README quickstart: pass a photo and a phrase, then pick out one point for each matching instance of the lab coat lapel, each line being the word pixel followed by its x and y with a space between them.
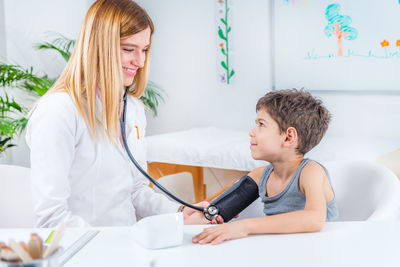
pixel 131 133
pixel 98 117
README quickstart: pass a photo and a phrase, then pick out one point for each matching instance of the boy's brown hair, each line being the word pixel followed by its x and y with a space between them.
pixel 298 109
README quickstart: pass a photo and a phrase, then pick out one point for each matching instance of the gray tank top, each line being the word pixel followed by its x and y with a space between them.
pixel 291 198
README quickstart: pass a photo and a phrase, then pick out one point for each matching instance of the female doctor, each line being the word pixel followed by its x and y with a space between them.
pixel 80 173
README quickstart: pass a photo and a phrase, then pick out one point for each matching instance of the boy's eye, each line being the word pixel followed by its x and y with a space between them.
pixel 260 124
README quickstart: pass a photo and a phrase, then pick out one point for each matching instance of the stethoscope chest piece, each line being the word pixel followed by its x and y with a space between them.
pixel 211 212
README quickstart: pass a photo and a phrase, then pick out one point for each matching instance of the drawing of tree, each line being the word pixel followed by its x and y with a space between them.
pixel 338 25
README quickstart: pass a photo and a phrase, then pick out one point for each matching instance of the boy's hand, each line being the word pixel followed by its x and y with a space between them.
pixel 220 233
pixel 218 220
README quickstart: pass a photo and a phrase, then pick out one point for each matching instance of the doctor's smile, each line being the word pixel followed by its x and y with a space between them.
pixel 129 71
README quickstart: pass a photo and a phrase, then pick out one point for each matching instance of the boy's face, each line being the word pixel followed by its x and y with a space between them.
pixel 265 138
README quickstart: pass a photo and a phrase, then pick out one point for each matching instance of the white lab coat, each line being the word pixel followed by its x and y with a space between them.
pixel 82 182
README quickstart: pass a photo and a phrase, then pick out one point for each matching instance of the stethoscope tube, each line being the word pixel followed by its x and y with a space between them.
pixel 151 179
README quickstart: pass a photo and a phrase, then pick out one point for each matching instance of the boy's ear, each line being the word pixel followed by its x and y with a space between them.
pixel 291 138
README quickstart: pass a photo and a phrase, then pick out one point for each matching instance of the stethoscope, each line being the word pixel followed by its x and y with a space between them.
pixel 211 212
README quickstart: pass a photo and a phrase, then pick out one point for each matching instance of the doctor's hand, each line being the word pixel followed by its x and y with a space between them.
pixel 199 216
pixel 219 233
pixel 189 211
pixel 196 218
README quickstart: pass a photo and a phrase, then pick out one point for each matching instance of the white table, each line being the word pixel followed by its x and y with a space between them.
pixel 339 244
pixel 366 244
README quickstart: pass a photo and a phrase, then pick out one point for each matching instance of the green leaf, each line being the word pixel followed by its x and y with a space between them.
pixel 46 45
pixel 7 105
pixel 229 29
pixel 40 86
pixel 223 21
pixel 7 128
pixel 12 74
pixel 221 34
pixel 61 44
pixel 224 65
pixel 16 76
pixel 223 51
pixel 152 97
pixel 232 73
pixel 15 106
pixel 5 143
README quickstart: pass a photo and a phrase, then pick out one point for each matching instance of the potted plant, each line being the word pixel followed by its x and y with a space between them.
pixel 13 116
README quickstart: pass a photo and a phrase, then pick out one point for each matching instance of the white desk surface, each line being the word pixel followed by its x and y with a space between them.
pixel 339 244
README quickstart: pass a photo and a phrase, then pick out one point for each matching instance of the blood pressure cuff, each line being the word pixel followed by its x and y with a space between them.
pixel 234 200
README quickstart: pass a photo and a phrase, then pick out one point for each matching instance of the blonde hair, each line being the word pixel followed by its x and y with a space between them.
pixel 95 63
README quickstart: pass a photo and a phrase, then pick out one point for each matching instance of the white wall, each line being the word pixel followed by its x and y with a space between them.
pixel 2 32
pixel 369 115
pixel 27 23
pixel 183 63
pixel 30 22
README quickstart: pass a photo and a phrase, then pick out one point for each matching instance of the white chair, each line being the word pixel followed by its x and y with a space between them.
pixel 16 208
pixel 179 184
pixel 363 190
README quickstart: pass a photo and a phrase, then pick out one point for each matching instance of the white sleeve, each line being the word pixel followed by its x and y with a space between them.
pixel 145 200
pixel 51 137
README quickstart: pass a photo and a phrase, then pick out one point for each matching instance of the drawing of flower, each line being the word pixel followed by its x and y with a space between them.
pixel 384 43
pixel 223 79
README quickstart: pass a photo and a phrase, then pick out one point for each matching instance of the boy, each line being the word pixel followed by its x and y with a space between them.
pixel 297 193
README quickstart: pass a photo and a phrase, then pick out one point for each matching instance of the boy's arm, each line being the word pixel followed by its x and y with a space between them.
pixel 256 174
pixel 197 219
pixel 311 219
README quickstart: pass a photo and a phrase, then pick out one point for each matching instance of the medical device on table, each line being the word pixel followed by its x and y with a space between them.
pixel 228 205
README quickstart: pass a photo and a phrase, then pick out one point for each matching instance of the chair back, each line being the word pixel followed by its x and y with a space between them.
pixel 16 207
pixel 179 184
pixel 364 190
